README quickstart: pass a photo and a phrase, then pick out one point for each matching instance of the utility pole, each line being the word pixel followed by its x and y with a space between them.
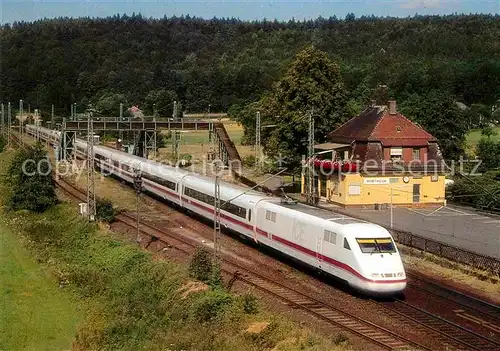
pixel 176 136
pixel 3 119
pixel 120 131
pixel 21 119
pixel 52 118
pixel 392 214
pixel 310 163
pixel 217 227
pixel 9 122
pixel 257 142
pixel 138 191
pixel 91 205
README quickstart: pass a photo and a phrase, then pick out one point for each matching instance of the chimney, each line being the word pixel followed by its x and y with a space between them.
pixel 392 107
pixel 373 103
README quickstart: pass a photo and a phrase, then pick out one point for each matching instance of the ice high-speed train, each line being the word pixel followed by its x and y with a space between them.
pixel 360 253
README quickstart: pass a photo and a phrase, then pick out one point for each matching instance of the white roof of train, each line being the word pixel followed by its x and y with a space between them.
pixel 230 191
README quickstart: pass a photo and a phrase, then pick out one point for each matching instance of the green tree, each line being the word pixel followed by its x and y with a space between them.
pixel 30 179
pixel 488 152
pixel 438 113
pixel 488 132
pixel 312 84
pixel 109 104
pixel 163 101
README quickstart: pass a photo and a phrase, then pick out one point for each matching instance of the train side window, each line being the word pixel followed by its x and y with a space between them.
pixel 271 216
pixel 330 236
pixel 346 244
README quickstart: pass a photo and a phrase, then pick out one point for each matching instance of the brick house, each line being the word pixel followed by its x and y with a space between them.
pixel 380 157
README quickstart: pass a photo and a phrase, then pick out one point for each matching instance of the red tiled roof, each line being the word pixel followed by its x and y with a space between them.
pixel 377 124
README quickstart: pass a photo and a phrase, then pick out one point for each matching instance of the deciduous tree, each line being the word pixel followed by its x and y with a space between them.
pixel 30 179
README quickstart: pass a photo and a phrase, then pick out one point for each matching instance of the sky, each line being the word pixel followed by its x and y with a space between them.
pixel 17 10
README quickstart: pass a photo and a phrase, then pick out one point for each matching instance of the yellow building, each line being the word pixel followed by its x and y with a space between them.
pixel 377 158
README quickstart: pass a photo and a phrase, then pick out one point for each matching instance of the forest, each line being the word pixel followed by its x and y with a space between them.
pixel 426 63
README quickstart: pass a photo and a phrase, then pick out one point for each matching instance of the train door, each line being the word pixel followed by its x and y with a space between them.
pixel 319 251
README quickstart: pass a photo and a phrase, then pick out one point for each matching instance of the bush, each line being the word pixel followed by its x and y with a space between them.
pixel 249 160
pixel 249 304
pixel 481 192
pixel 3 143
pixel 211 305
pixel 105 211
pixel 488 152
pixel 340 339
pixel 200 267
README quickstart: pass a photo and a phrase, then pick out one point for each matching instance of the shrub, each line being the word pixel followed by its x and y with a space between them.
pixel 340 339
pixel 200 267
pixel 3 143
pixel 215 275
pixel 211 305
pixel 249 304
pixel 249 160
pixel 488 152
pixel 105 211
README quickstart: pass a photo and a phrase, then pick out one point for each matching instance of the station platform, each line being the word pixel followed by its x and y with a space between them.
pixel 459 226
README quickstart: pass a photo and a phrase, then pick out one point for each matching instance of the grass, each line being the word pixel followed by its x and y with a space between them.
pixel 481 282
pixel 35 313
pixel 474 136
pixel 132 301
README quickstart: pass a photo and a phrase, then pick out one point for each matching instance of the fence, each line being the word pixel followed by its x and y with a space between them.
pixel 450 252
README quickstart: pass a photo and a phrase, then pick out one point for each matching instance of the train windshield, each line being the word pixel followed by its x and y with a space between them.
pixel 382 245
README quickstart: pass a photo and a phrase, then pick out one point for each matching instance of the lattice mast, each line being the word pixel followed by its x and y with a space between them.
pixel 3 119
pixel 21 113
pixel 217 205
pixel 9 122
pixel 310 164
pixel 91 205
pixel 176 135
pixel 257 142
pixel 138 190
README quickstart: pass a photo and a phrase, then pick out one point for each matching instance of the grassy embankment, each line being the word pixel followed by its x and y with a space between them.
pixel 474 136
pixel 131 301
pixel 35 313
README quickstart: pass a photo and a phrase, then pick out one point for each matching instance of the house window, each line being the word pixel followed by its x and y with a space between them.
pixel 355 189
pixel 330 236
pixel 416 154
pixel 396 154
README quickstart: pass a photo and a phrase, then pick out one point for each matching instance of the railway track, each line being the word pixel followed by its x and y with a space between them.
pixel 380 336
pixel 467 301
pixel 445 332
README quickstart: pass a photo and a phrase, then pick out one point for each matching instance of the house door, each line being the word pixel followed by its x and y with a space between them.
pixel 416 192
pixel 322 186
